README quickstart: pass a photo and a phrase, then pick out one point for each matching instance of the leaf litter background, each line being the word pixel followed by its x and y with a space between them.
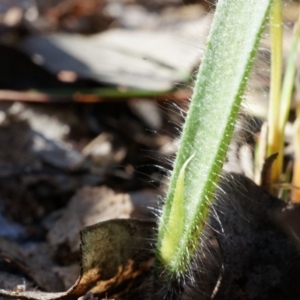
pixel 91 98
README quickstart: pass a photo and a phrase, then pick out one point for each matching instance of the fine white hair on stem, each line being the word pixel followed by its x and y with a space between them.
pixel 221 196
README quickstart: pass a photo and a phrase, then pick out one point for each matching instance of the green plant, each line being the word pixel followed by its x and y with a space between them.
pixel 281 97
pixel 208 128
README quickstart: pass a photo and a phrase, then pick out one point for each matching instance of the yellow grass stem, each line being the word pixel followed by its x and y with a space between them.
pixel 275 88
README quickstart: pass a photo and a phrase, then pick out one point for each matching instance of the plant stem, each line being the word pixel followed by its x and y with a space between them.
pixel 289 79
pixel 208 128
pixel 286 99
pixel 274 135
pixel 295 194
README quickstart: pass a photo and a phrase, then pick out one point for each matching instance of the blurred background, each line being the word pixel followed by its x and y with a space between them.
pixel 92 97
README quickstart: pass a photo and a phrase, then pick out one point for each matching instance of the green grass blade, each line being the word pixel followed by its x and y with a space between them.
pixel 207 131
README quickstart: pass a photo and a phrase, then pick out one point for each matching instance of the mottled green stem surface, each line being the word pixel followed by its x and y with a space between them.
pixel 208 128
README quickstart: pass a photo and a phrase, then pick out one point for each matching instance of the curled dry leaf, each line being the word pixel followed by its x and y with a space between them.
pixel 14 282
pixel 37 270
pixel 113 254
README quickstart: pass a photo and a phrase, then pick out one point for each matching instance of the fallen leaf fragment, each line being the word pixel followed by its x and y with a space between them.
pixel 14 282
pixel 36 269
pixel 113 254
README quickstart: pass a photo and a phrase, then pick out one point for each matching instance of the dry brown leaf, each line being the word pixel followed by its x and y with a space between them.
pixel 14 282
pixel 35 269
pixel 113 254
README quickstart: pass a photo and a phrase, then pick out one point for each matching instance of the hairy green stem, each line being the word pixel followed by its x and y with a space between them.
pixel 208 128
